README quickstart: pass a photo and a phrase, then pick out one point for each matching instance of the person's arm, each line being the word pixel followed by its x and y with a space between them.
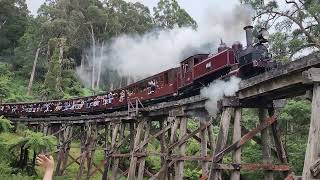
pixel 48 164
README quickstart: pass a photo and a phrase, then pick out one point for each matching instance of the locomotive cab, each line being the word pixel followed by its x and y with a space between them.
pixel 255 59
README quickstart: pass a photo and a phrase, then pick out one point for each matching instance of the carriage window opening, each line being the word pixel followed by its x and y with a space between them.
pixel 196 61
pixel 166 78
pixel 186 67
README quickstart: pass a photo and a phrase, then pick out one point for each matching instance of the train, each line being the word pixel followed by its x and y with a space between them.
pixel 187 79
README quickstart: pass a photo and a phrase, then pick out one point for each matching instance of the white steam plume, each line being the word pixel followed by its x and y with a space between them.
pixel 216 91
pixel 143 55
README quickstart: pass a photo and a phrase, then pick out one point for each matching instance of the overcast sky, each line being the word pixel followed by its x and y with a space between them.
pixel 194 7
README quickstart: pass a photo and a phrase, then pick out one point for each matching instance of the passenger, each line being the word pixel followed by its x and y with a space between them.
pixel 13 109
pixel 110 98
pixel 122 96
pixel 58 107
pixel 45 107
pixel 105 100
pixel 96 102
pixel 152 86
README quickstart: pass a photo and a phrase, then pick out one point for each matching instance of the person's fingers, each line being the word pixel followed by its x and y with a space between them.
pixel 51 158
pixel 41 156
pixel 46 158
pixel 39 162
pixel 39 159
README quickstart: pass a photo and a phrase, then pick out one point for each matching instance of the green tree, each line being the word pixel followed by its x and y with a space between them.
pixel 168 13
pixel 52 83
pixel 13 21
pixel 36 142
pixel 5 77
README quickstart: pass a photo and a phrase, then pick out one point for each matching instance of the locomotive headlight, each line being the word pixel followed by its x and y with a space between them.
pixel 263 36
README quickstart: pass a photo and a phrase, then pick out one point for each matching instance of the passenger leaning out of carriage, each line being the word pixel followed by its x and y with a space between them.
pixel 122 95
pixel 152 86
pixel 110 98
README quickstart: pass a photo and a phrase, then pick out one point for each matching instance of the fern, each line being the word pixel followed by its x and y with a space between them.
pixel 5 125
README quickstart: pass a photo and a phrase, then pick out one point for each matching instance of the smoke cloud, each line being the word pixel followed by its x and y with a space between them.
pixel 140 56
pixel 216 91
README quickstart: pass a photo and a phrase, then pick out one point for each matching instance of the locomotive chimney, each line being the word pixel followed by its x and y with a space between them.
pixel 249 35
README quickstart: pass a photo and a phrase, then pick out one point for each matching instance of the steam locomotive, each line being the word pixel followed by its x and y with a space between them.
pixel 183 81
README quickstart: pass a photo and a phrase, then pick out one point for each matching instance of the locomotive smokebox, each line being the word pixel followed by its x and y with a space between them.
pixel 249 35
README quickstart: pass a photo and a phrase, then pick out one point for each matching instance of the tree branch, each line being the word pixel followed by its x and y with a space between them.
pixel 296 21
pixel 2 24
pixel 301 48
pixel 299 9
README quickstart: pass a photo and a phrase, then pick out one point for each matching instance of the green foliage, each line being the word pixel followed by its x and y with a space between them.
pixel 297 113
pixel 52 83
pixel 5 125
pixel 168 13
pixel 35 141
pixel 39 142
pixel 13 20
pixel 192 174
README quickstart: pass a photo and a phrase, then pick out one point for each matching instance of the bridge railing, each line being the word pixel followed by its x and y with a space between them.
pixel 133 106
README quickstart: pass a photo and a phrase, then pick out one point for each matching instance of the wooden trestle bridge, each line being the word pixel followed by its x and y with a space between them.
pixel 167 123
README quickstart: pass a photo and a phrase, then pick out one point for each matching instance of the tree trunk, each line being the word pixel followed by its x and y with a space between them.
pixel 82 64
pixel 58 80
pixel 93 58
pixel 21 157
pixel 34 162
pixel 100 64
pixel 25 158
pixel 33 69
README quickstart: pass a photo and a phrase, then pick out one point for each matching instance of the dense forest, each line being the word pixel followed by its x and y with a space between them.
pixel 41 57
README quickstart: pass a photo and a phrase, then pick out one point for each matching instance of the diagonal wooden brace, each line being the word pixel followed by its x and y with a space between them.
pixel 245 138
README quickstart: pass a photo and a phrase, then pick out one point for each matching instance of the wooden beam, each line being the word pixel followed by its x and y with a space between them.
pixel 173 137
pixel 244 138
pixel 84 141
pixel 91 150
pixel 74 160
pixel 114 136
pixel 313 147
pixel 312 75
pixel 152 137
pixel 163 146
pixel 251 167
pixel 280 150
pixel 180 164
pixel 106 152
pixel 197 138
pixel 163 168
pixel 98 168
pixel 133 161
pixel 211 137
pixel 222 140
pixel 204 149
pixel 266 144
pixel 185 137
pixel 141 169
pixel 315 168
pixel 236 137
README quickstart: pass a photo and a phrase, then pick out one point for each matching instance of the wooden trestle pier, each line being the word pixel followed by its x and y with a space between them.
pixel 167 123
